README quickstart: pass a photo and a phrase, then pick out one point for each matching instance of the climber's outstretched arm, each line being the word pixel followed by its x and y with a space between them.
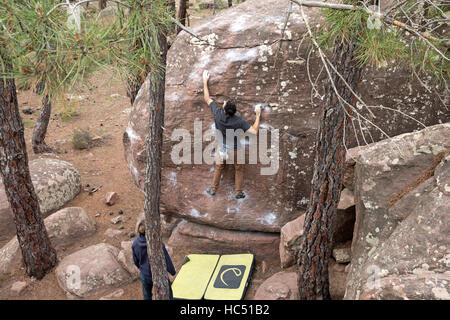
pixel 206 96
pixel 255 127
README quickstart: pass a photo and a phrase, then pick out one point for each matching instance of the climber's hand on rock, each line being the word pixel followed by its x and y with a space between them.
pixel 205 76
pixel 258 110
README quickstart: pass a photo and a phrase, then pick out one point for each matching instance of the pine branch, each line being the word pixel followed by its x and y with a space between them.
pixel 423 35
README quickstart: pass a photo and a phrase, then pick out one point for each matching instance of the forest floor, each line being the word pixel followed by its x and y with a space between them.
pixel 102 108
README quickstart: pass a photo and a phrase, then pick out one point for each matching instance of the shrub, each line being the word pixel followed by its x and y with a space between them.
pixel 81 139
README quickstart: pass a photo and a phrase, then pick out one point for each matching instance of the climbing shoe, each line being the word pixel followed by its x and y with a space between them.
pixel 240 196
pixel 210 192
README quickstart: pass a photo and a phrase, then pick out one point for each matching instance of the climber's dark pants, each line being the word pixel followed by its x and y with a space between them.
pixel 238 175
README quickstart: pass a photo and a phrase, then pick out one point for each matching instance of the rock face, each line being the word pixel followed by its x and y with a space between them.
pixel 242 54
pixel 69 225
pixel 64 227
pixel 400 248
pixel 125 257
pixel 291 232
pixel 91 271
pixel 205 239
pixel 56 182
pixel 290 240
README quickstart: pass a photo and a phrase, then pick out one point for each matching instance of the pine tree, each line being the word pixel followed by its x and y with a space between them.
pixel 39 257
pixel 356 41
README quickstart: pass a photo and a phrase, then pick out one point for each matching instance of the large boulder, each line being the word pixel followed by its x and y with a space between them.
pixel 250 64
pixel 64 227
pixel 92 270
pixel 56 182
pixel 199 238
pixel 125 257
pixel 400 247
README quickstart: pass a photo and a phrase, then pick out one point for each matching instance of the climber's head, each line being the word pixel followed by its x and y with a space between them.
pixel 229 107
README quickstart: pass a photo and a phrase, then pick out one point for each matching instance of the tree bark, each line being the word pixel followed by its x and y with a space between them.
pixel 102 4
pixel 40 128
pixel 230 3
pixel 182 12
pixel 326 186
pixel 39 257
pixel 153 178
pixel 134 84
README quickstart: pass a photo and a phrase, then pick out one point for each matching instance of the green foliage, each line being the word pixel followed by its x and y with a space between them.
pixel 81 139
pixel 383 45
pixel 135 52
pixel 67 110
pixel 45 49
pixel 340 24
pixel 42 48
pixel 376 46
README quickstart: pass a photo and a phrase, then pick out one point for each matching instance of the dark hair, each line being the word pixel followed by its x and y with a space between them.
pixel 230 108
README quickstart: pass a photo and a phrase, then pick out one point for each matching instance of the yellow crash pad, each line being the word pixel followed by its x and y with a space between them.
pixel 230 278
pixel 193 277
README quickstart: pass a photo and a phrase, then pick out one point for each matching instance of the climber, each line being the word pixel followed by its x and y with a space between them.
pixel 225 118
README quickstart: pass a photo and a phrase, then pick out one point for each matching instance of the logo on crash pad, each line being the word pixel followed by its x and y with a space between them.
pixel 230 277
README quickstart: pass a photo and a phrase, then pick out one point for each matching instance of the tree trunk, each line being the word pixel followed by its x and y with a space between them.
pixel 230 3
pixel 102 4
pixel 134 84
pixel 182 12
pixel 39 257
pixel 153 178
pixel 40 128
pixel 326 186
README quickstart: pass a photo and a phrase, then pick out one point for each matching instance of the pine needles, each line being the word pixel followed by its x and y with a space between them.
pixel 48 45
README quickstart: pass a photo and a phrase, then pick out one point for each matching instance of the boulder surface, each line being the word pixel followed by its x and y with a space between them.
pixel 64 227
pixel 56 182
pixel 252 61
pixel 93 270
pixel 400 247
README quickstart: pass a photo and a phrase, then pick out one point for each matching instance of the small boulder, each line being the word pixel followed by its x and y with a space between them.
pixel 280 286
pixel 18 288
pixel 111 198
pixel 342 255
pixel 68 225
pixel 116 220
pixel 113 233
pixel 65 227
pixel 92 270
